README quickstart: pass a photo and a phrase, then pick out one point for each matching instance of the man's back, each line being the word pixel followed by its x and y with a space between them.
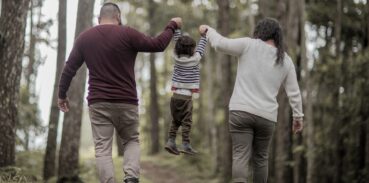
pixel 109 52
pixel 110 59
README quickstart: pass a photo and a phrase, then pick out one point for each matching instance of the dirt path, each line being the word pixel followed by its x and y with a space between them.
pixel 160 174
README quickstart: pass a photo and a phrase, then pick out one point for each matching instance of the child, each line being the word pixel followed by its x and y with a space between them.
pixel 185 82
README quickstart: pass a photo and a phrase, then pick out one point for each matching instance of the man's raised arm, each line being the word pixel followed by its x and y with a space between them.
pixel 143 43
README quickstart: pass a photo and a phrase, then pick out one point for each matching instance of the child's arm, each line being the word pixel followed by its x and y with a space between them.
pixel 201 46
pixel 177 35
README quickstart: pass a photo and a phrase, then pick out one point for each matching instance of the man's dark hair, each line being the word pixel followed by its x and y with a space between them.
pixel 185 46
pixel 269 29
pixel 109 11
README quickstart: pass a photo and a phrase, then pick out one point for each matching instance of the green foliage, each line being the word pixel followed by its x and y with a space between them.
pixel 341 87
pixel 15 174
pixel 30 124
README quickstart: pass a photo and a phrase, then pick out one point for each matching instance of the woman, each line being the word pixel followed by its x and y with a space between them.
pixel 263 67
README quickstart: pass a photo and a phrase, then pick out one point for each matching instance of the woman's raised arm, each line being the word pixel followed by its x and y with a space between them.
pixel 233 47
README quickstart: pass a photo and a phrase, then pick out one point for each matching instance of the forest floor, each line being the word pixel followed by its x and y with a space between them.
pixel 159 174
pixel 162 168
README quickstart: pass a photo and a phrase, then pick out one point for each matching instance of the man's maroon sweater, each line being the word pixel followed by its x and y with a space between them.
pixel 109 52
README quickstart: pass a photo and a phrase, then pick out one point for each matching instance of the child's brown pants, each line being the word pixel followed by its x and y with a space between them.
pixel 181 110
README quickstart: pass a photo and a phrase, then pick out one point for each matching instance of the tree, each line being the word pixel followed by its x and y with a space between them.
pixel 154 105
pixel 29 121
pixel 50 154
pixel 12 31
pixel 226 64
pixel 69 147
pixel 290 14
pixel 367 120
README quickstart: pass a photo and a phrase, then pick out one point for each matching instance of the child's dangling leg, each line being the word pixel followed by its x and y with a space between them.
pixel 186 127
pixel 171 146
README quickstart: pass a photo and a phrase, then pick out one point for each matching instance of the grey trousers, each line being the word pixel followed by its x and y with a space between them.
pixel 251 136
pixel 124 118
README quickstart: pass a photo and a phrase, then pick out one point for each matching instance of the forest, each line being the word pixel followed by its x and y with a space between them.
pixel 328 41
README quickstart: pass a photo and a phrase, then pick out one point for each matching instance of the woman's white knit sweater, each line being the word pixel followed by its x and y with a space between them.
pixel 259 78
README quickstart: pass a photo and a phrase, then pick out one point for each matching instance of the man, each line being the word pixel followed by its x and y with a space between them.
pixel 109 51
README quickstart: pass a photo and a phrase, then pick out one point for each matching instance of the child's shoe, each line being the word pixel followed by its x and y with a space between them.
pixel 187 149
pixel 171 146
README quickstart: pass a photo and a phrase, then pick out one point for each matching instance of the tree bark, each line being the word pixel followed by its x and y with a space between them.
pixel 338 26
pixel 266 9
pixel 367 24
pixel 12 31
pixel 210 119
pixel 225 61
pixel 31 53
pixel 367 120
pixel 309 131
pixel 337 137
pixel 69 147
pixel 250 19
pixel 364 108
pixel 154 104
pixel 283 134
pixel 300 174
pixel 50 154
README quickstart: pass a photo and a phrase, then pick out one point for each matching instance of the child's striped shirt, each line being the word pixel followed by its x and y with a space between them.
pixel 186 74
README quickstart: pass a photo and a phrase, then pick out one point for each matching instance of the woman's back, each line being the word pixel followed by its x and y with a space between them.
pixel 259 77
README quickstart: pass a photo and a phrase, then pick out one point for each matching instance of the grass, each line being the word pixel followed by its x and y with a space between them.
pixel 29 165
pixel 196 169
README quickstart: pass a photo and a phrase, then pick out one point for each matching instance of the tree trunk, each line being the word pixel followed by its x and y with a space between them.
pixel 28 73
pixel 367 24
pixel 69 147
pixel 283 134
pixel 50 154
pixel 154 104
pixel 210 119
pixel 12 31
pixel 167 119
pixel 223 26
pixel 337 137
pixel 201 127
pixel 299 156
pixel 366 121
pixel 250 19
pixel 338 26
pixel 308 107
pixel 266 9
pixel 367 148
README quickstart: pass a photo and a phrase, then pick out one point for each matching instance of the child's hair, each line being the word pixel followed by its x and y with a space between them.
pixel 185 46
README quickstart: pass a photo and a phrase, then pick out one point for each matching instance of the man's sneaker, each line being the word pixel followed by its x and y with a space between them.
pixel 131 180
pixel 187 149
pixel 171 146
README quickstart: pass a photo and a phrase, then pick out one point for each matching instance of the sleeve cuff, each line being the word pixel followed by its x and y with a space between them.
pixel 172 25
pixel 209 32
pixel 298 119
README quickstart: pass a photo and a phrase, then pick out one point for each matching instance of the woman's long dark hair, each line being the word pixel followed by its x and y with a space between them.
pixel 269 29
